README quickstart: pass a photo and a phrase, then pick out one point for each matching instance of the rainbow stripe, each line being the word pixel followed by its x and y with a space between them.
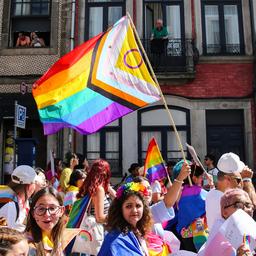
pixel 85 235
pixel 98 82
pixel 154 168
pixel 246 240
pixel 7 194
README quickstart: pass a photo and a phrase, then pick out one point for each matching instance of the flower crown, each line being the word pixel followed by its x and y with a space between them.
pixel 132 186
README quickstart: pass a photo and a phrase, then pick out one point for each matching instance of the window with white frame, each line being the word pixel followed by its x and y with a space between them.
pixel 154 122
pixel 29 16
pixel 101 14
pixel 106 144
pixel 222 27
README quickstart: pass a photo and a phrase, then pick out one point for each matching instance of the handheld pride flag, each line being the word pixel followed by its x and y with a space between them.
pixel 98 82
pixel 154 168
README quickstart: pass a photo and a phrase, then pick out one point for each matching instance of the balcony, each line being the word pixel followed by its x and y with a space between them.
pixel 172 58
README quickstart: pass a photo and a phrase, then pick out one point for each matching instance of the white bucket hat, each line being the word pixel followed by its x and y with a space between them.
pixel 24 174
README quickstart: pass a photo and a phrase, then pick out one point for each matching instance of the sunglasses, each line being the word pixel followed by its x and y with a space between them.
pixel 237 179
pixel 240 205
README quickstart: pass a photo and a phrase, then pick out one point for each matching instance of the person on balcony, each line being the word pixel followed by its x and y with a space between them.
pixel 159 32
pixel 159 40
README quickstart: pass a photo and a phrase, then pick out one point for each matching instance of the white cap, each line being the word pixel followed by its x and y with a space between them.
pixel 230 163
pixel 24 174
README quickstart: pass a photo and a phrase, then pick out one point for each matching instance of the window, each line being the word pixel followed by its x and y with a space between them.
pixel 169 53
pixel 153 122
pixel 101 15
pixel 222 27
pixel 106 144
pixel 30 16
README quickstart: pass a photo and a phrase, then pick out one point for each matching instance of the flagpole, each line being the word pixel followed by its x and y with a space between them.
pixel 161 93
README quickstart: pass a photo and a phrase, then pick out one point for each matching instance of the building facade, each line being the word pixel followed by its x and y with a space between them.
pixel 206 72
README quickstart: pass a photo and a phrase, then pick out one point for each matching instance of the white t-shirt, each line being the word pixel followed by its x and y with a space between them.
pixel 9 212
pixel 214 173
pixel 161 213
pixel 212 207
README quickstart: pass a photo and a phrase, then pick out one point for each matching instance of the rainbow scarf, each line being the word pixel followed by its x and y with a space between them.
pixel 154 168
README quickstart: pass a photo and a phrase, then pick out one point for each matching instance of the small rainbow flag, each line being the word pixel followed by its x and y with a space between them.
pixel 154 168
pixel 246 240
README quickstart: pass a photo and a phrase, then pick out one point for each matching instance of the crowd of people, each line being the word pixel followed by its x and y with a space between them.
pixel 73 209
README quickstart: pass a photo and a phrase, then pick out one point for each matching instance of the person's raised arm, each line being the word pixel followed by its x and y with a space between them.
pixel 246 175
pixel 173 192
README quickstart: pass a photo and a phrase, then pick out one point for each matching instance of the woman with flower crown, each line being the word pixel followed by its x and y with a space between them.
pixel 129 220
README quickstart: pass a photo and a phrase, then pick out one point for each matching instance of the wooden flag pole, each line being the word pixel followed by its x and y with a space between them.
pixel 161 93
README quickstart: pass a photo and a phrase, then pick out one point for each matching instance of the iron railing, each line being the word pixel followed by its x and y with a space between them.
pixel 226 49
pixel 170 55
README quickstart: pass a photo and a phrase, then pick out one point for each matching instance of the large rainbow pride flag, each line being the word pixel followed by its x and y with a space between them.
pixel 154 168
pixel 99 81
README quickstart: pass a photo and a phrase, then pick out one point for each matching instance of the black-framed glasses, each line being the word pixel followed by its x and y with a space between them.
pixel 52 209
pixel 240 205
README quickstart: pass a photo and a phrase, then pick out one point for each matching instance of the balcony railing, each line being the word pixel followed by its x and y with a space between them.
pixel 226 49
pixel 170 55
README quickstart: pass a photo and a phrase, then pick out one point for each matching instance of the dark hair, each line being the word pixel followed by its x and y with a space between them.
pixel 8 238
pixel 68 158
pixel 196 171
pixel 170 163
pixel 80 161
pixel 115 219
pixel 35 230
pixel 211 157
pixel 133 167
pixel 98 174
pixel 139 179
pixel 75 176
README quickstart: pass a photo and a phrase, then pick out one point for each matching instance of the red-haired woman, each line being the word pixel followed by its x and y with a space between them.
pixel 97 185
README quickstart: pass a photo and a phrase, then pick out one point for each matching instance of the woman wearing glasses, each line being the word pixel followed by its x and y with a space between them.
pixel 46 223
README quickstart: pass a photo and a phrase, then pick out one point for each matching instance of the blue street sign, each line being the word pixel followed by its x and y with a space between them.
pixel 20 116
